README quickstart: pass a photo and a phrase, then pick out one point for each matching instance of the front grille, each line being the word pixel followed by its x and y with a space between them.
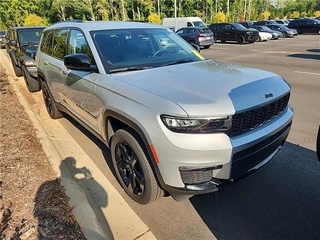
pixel 246 159
pixel 245 121
pixel 196 176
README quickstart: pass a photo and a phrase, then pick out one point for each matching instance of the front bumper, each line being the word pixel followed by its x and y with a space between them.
pixel 200 163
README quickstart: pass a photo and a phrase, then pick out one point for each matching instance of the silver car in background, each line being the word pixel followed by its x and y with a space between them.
pixel 176 123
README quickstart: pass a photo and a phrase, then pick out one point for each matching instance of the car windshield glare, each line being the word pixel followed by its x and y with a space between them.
pixel 125 48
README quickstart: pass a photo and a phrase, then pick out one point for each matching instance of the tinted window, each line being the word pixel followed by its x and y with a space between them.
pixel 205 30
pixel 29 35
pixel 59 43
pixel 78 44
pixel 239 26
pixel 46 43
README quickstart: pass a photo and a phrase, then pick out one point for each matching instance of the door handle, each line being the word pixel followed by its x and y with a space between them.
pixel 45 62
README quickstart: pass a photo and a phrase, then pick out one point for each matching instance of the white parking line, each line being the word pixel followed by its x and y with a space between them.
pixel 310 73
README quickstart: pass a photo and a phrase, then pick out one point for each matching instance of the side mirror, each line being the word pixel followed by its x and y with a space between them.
pixel 196 47
pixel 79 62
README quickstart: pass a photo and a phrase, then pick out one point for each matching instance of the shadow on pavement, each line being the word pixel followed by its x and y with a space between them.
pixel 86 190
pixel 306 56
pixel 316 50
pixel 279 201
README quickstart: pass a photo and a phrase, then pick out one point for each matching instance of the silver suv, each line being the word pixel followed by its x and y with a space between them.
pixel 176 123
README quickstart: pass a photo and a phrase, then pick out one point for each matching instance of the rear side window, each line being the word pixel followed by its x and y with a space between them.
pixel 59 43
pixel 205 30
pixel 46 43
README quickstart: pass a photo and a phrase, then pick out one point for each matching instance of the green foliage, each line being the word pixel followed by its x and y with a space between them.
pixel 154 18
pixel 16 12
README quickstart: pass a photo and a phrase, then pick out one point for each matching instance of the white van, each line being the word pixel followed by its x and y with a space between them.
pixel 183 22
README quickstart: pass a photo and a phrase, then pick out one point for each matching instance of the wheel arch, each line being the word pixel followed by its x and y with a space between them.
pixel 115 121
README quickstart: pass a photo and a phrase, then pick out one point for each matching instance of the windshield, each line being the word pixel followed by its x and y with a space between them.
pixel 283 27
pixel 239 27
pixel 317 21
pixel 199 24
pixel 142 48
pixel 27 36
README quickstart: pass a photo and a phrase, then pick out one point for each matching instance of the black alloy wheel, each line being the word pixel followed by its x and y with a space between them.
pixel 132 167
pixel 129 169
pixel 49 102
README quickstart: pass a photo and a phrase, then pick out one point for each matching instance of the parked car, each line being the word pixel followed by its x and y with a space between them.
pixel 22 44
pixel 283 21
pixel 264 28
pixel 305 25
pixel 264 36
pixel 175 122
pixel 264 22
pixel 286 32
pixel 202 37
pixel 234 32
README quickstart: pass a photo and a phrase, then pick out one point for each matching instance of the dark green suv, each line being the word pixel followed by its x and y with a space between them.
pixel 22 44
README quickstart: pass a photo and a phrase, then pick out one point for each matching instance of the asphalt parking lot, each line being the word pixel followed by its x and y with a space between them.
pixel 282 199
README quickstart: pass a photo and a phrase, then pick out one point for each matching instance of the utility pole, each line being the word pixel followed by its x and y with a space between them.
pixel 123 11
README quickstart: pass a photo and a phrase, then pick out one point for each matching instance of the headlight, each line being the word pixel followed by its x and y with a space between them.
pixel 196 125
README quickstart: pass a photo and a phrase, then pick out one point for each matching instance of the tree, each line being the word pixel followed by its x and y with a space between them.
pixel 154 18
pixel 265 15
pixel 34 20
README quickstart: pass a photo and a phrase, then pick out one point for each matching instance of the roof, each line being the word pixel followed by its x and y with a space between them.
pixel 27 27
pixel 99 25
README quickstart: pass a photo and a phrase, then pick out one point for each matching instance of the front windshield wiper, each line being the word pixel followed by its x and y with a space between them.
pixel 178 62
pixel 128 69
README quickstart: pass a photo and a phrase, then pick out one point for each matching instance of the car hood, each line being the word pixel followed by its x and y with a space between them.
pixel 30 49
pixel 208 88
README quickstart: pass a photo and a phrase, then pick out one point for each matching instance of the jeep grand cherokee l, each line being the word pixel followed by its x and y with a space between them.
pixel 22 44
pixel 175 123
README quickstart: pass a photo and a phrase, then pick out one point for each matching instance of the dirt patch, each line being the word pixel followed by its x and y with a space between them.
pixel 33 204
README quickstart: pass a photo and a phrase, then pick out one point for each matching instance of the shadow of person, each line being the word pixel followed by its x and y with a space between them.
pixel 86 197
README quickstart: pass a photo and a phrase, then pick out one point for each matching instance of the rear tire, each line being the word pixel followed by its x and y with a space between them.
pixel 241 39
pixel 51 107
pixel 133 169
pixel 31 83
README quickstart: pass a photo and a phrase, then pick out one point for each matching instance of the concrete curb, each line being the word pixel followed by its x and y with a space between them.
pixel 99 209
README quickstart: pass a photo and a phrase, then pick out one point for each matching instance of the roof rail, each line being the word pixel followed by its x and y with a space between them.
pixel 75 20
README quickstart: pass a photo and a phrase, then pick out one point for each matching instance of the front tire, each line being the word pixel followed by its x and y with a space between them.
pixel 133 169
pixel 241 39
pixel 49 102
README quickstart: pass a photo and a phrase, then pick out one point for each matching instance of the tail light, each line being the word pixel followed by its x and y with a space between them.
pixel 201 36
